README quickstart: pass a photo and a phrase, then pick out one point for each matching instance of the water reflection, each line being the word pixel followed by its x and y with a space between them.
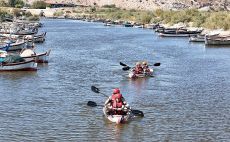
pixel 17 75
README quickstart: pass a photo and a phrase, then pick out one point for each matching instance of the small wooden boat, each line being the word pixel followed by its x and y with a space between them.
pixel 39 38
pixel 127 24
pixel 197 38
pixel 133 75
pixel 118 118
pixel 217 40
pixel 19 45
pixel 29 54
pixel 29 65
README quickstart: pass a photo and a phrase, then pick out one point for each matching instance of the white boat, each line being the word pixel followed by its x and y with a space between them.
pixel 29 54
pixel 175 35
pixel 118 118
pixel 133 75
pixel 29 65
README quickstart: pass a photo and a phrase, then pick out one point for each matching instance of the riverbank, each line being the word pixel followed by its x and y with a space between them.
pixel 209 20
pixel 189 17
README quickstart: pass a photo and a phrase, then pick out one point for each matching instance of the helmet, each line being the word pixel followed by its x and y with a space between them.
pixel 116 91
pixel 144 63
pixel 138 63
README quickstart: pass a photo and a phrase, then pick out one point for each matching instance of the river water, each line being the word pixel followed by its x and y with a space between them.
pixel 187 100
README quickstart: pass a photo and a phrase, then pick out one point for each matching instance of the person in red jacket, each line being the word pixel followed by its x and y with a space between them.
pixel 145 67
pixel 116 103
pixel 138 68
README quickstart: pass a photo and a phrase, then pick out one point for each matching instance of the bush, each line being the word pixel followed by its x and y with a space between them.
pixel 16 3
pixel 39 5
pixel 2 15
pixel 19 4
pixel 59 13
pixel 28 14
pixel 3 3
pixel 16 12
pixel 218 20
pixel 33 18
pixel 109 6
pixel 144 18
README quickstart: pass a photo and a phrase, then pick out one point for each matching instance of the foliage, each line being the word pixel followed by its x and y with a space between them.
pixel 16 12
pixel 15 3
pixel 39 5
pixel 28 14
pixel 109 6
pixel 58 13
pixel 33 18
pixel 218 20
pixel 3 3
pixel 2 14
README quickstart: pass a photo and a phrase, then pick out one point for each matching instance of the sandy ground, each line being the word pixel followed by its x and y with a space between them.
pixel 47 12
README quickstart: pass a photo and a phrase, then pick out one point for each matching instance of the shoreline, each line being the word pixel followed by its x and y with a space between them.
pixel 101 15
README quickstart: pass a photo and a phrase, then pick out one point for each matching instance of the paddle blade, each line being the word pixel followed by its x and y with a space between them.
pixel 157 64
pixel 126 68
pixel 122 64
pixel 137 112
pixel 91 104
pixel 95 89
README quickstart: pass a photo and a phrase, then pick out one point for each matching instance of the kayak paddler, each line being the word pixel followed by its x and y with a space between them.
pixel 116 104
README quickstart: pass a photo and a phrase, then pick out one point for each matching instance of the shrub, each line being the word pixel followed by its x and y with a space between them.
pixel 145 18
pixel 33 18
pixel 28 14
pixel 3 3
pixel 39 5
pixel 109 6
pixel 17 12
pixel 58 13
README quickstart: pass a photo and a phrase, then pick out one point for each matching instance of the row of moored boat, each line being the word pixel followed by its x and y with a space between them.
pixel 18 40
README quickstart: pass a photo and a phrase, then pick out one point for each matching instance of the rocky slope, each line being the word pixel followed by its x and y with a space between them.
pixel 164 4
pixel 153 4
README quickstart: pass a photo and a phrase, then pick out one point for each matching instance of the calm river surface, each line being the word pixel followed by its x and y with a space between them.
pixel 187 100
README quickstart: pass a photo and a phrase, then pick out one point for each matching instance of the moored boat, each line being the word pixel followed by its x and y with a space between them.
pixel 19 45
pixel 197 38
pixel 29 65
pixel 39 38
pixel 217 40
pixel 29 54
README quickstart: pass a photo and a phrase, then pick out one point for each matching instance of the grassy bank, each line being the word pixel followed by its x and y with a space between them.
pixel 191 17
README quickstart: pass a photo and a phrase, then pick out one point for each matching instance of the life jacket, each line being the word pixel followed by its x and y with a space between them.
pixel 138 70
pixel 117 103
pixel 146 69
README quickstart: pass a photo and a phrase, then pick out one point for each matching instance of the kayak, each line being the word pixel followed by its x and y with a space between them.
pixel 133 75
pixel 119 119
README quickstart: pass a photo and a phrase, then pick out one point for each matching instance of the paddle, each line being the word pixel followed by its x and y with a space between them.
pixel 94 104
pixel 122 64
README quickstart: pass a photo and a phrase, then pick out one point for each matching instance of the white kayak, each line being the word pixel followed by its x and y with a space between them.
pixel 118 118
pixel 145 74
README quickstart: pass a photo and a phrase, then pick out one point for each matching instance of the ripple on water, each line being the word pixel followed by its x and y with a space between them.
pixel 187 100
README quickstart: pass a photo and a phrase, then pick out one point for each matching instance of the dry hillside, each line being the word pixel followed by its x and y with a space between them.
pixel 152 4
